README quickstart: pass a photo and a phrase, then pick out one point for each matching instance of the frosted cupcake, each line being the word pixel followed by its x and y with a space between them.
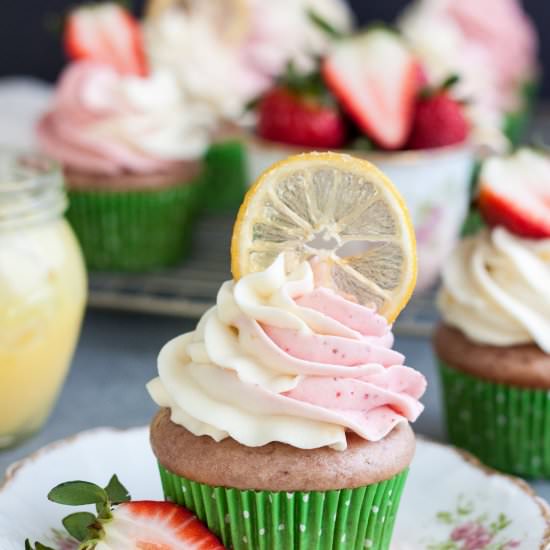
pixel 458 37
pixel 494 341
pixel 285 414
pixel 130 144
pixel 225 53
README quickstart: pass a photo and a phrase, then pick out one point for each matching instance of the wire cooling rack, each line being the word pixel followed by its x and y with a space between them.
pixel 190 289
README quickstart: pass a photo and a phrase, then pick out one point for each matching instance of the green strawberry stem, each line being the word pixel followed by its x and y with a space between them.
pixel 85 526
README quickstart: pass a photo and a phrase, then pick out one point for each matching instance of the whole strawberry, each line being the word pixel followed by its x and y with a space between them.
pixel 439 120
pixel 301 111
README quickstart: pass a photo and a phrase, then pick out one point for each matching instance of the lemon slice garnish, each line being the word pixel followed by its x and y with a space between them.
pixel 340 209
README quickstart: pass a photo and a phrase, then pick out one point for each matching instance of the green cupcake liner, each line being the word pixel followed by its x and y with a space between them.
pixel 134 230
pixel 346 519
pixel 226 176
pixel 506 427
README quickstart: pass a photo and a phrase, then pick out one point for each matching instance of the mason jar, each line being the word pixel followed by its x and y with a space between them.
pixel 42 293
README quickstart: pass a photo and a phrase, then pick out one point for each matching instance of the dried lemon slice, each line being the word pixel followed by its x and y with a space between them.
pixel 340 209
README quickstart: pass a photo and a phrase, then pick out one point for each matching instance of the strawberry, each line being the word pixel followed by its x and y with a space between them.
pixel 376 79
pixel 294 118
pixel 125 525
pixel 106 33
pixel 514 192
pixel 439 120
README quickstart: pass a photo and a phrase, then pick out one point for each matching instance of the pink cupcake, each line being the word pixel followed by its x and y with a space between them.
pixel 130 143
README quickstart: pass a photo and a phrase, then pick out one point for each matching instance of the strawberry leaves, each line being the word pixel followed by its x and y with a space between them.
pixel 85 526
pixel 116 492
pixel 77 493
pixel 37 546
pixel 82 526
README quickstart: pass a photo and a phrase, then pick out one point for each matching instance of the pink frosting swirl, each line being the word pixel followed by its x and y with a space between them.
pixel 280 359
pixel 505 34
pixel 102 122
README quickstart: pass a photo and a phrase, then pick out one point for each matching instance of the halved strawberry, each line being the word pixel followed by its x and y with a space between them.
pixel 375 77
pixel 106 33
pixel 515 192
pixel 124 525
pixel 153 525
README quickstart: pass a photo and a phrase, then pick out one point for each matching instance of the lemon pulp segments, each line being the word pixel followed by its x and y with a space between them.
pixel 340 209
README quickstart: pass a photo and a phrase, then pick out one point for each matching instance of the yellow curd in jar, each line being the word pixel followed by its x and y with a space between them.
pixel 42 296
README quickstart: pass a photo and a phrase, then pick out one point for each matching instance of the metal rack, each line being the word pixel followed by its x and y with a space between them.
pixel 190 289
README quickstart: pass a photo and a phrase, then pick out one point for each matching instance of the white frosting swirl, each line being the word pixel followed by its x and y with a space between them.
pixel 104 122
pixel 226 59
pixel 496 289
pixel 280 360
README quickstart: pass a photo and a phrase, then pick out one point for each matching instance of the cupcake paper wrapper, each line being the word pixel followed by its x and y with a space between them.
pixel 134 230
pixel 227 176
pixel 506 427
pixel 347 519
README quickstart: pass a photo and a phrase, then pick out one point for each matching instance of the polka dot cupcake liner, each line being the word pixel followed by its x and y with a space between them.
pixel 226 176
pixel 134 230
pixel 506 427
pixel 346 519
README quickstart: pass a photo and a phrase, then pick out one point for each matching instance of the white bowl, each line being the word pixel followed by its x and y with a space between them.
pixel 435 184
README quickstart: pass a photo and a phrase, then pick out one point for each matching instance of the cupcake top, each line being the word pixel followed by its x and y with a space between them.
pixel 281 359
pixel 227 52
pixel 104 122
pixel 298 350
pixel 458 36
pixel 496 289
pixel 496 285
pixel 113 113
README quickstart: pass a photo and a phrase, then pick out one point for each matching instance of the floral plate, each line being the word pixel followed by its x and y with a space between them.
pixel 450 503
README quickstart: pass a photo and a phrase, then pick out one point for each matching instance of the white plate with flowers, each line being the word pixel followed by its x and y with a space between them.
pixel 451 502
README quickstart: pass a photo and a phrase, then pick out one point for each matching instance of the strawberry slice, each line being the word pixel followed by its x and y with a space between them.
pixel 106 33
pixel 515 192
pixel 152 525
pixel 375 77
pixel 126 525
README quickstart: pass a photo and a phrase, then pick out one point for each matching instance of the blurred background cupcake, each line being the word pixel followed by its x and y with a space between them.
pixel 244 46
pixel 130 142
pixel 500 80
pixel 494 341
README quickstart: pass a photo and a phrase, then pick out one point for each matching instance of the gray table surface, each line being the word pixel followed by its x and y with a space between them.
pixel 116 356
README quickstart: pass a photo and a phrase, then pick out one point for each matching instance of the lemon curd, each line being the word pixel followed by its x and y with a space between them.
pixel 42 294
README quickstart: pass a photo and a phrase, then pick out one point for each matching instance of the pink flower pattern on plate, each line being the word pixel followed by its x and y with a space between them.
pixel 469 531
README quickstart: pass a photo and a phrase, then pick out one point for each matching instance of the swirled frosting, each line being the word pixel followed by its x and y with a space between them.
pixel 279 359
pixel 226 57
pixel 458 37
pixel 107 123
pixel 496 289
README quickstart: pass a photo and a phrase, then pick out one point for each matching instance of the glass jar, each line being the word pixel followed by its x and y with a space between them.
pixel 42 293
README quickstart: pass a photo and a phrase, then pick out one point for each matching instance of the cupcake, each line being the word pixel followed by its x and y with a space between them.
pixel 284 418
pixel 226 53
pixel 493 343
pixel 387 113
pixel 458 37
pixel 130 143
